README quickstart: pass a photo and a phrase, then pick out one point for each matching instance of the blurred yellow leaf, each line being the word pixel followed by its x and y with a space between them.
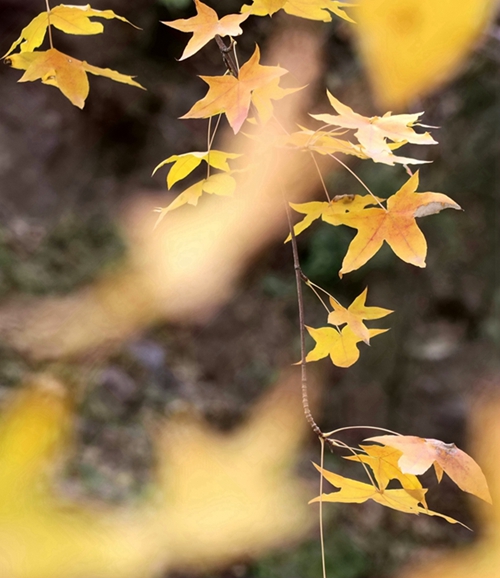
pixel 410 47
pixel 219 496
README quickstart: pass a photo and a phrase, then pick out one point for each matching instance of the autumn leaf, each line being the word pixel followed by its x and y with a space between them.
pixel 233 96
pixel 262 97
pixel 341 346
pixel 389 31
pixel 220 184
pixel 186 163
pixel 396 226
pixel 355 314
pixel 66 73
pixel 324 143
pixel 372 132
pixel 419 454
pixel 352 491
pixel 69 19
pixel 331 212
pixel 205 26
pixel 383 461
pixel 310 9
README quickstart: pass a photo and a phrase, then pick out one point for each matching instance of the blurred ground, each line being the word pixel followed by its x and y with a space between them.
pixel 65 174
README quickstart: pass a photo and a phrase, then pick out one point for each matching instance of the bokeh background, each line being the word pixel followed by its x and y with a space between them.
pixel 67 177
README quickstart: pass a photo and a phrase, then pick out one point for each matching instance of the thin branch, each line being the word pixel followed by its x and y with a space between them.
pixel 362 427
pixel 49 27
pixel 209 145
pixel 359 180
pixel 300 300
pixel 341 444
pixel 321 534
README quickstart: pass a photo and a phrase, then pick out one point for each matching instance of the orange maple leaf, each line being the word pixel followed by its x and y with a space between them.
pixel 419 454
pixel 232 96
pixel 66 73
pixel 205 26
pixel 396 225
pixel 372 133
pixel 355 314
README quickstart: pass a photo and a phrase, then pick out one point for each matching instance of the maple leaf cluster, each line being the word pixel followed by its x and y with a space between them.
pixel 402 458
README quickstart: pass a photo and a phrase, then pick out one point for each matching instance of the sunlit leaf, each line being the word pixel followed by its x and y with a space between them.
pixel 419 454
pixel 66 73
pixel 311 9
pixel 69 19
pixel 372 132
pixel 205 26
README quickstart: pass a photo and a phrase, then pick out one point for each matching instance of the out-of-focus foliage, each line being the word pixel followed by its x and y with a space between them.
pixel 410 47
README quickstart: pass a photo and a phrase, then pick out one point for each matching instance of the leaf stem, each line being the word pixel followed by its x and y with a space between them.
pixel 320 176
pixel 359 180
pixel 49 27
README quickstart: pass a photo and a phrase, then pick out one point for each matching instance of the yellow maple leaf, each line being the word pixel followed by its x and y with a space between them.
pixel 324 143
pixel 372 132
pixel 411 47
pixel 232 96
pixel 220 184
pixel 341 346
pixel 352 491
pixel 331 212
pixel 383 461
pixel 355 314
pixel 310 9
pixel 186 163
pixel 66 73
pixel 69 19
pixel 396 226
pixel 205 26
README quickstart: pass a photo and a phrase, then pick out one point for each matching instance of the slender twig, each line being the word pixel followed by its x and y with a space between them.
pixel 209 144
pixel 362 427
pixel 359 180
pixel 312 288
pixel 49 27
pixel 321 533
pixel 320 177
pixel 300 300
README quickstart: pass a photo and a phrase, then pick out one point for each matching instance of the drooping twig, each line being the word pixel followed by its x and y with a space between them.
pixel 300 300
pixel 49 28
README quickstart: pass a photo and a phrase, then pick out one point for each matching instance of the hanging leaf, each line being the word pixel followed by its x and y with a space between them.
pixel 341 346
pixel 396 226
pixel 331 212
pixel 419 454
pixel 220 184
pixel 310 9
pixel 352 491
pixel 372 132
pixel 232 96
pixel 66 73
pixel 355 314
pixel 205 26
pixel 68 19
pixel 383 461
pixel 186 163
